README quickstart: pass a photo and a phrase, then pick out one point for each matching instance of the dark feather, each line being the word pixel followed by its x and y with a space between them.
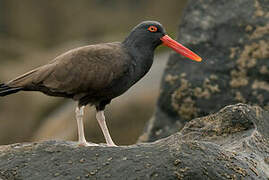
pixel 2 85
pixel 5 90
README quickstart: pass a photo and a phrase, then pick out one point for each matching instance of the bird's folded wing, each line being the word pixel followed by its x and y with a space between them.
pixel 84 69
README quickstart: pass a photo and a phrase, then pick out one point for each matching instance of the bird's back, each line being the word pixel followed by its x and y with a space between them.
pixel 94 71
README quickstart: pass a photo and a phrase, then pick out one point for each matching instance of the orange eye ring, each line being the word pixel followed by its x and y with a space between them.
pixel 152 28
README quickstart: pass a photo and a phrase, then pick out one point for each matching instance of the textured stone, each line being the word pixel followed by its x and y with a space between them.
pixel 232 37
pixel 231 144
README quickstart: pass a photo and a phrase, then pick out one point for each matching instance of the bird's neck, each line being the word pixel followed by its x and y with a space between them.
pixel 142 57
pixel 139 45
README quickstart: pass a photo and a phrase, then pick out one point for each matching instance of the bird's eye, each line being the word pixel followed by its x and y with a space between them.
pixel 152 28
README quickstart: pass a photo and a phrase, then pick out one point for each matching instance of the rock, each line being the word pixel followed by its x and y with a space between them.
pixel 231 144
pixel 232 37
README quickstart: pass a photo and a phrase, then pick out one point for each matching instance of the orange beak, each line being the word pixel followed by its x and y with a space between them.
pixel 167 41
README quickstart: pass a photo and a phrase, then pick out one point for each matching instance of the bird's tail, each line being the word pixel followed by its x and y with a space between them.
pixel 6 90
pixel 16 84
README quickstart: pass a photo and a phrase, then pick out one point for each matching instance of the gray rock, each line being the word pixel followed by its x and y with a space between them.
pixel 231 144
pixel 232 37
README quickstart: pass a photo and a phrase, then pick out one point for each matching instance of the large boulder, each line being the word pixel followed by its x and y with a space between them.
pixel 231 144
pixel 232 37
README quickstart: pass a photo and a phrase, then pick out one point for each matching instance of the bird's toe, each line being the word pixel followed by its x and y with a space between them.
pixel 112 145
pixel 86 144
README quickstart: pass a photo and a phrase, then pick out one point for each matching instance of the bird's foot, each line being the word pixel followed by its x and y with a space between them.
pixel 111 145
pixel 86 144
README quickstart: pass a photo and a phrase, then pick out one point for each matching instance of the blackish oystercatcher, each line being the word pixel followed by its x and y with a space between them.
pixel 95 74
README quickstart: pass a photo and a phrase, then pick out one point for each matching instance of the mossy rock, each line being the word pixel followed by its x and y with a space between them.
pixel 232 37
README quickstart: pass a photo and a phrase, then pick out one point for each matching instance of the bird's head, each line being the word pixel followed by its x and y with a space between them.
pixel 152 34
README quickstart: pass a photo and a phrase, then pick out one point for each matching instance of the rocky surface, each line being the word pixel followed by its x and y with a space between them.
pixel 231 144
pixel 232 37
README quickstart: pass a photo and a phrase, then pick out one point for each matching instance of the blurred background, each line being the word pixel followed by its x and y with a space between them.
pixel 34 32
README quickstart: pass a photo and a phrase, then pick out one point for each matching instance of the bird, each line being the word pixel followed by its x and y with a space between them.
pixel 95 74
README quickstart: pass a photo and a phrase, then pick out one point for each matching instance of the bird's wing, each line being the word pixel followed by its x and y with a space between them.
pixel 89 68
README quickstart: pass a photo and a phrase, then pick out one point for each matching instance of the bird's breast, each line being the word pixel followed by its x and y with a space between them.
pixel 136 71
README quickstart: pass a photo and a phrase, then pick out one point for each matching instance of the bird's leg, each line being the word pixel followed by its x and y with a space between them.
pixel 81 138
pixel 102 122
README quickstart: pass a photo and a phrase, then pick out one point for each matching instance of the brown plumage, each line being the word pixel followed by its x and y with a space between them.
pixel 79 73
pixel 96 74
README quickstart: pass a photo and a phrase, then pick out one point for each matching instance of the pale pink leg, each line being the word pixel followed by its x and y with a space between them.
pixel 81 138
pixel 102 122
